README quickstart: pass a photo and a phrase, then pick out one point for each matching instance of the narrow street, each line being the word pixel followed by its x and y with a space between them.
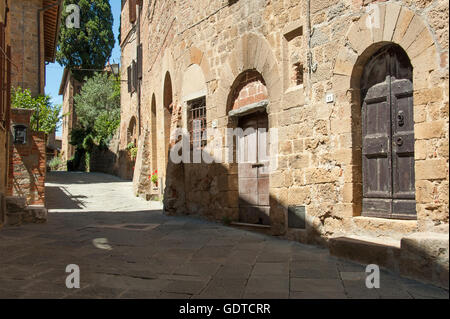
pixel 126 248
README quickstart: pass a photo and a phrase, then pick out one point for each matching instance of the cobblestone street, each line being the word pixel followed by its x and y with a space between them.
pixel 126 248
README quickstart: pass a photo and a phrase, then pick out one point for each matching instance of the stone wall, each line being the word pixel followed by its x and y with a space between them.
pixel 5 19
pixel 111 160
pixel 24 43
pixel 27 162
pixel 319 155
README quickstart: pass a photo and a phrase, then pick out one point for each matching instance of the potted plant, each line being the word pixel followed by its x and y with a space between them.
pixel 154 178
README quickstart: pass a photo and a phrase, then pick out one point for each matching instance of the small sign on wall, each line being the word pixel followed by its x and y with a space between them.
pixel 329 98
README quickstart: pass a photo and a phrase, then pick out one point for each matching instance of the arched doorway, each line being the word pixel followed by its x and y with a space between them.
pixel 153 135
pixel 131 132
pixel 388 135
pixel 247 102
pixel 168 105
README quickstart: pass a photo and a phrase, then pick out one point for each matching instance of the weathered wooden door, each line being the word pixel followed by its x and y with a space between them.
pixel 388 136
pixel 253 172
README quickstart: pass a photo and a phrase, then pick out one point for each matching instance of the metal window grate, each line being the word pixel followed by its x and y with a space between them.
pixel 197 122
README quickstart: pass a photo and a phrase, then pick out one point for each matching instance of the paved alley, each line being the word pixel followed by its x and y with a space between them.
pixel 126 248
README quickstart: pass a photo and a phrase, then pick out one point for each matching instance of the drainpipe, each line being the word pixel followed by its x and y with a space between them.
pixel 312 67
pixel 138 41
pixel 40 11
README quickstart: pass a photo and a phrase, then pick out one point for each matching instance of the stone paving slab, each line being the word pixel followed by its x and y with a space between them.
pixel 168 257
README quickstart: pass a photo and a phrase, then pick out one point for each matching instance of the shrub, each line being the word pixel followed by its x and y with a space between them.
pixel 56 163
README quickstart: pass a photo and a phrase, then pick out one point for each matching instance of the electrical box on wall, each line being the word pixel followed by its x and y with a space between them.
pixel 297 217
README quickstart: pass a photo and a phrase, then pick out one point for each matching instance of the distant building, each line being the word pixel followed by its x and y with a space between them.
pixel 68 89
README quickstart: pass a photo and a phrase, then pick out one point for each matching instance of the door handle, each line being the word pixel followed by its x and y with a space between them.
pixel 401 118
pixel 399 141
pixel 257 165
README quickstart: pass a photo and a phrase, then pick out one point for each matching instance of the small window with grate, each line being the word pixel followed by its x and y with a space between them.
pixel 20 134
pixel 197 122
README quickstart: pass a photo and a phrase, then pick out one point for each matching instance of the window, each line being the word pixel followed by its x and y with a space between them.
pixel 197 122
pixel 132 77
pixel 20 134
pixel 139 61
pixel 129 78
pixel 132 10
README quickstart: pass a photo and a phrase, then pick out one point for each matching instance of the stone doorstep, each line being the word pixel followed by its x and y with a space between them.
pixel 17 211
pixel 365 250
pixel 15 203
pixel 420 256
pixel 264 229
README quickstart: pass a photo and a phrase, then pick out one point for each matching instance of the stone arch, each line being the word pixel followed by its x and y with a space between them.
pixel 251 52
pixel 131 131
pixel 381 25
pixel 248 88
pixel 153 134
pixel 194 83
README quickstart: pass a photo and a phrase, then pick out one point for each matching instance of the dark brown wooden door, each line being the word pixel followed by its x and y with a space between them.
pixel 253 173
pixel 388 136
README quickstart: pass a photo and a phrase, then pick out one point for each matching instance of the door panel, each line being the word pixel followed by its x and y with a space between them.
pixel 376 150
pixel 253 174
pixel 388 136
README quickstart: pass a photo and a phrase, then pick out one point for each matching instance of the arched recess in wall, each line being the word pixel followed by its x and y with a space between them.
pixel 365 42
pixel 154 136
pixel 251 52
pixel 194 93
pixel 247 104
pixel 132 131
pixel 167 109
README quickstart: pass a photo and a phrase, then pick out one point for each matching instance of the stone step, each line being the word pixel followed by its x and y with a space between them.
pixel 15 204
pixel 34 214
pixel 384 253
pixel 265 229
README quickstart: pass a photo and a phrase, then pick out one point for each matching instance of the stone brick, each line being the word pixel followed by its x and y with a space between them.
pixel 429 130
pixel 431 169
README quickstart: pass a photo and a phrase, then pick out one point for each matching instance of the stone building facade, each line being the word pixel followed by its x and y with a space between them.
pixel 5 103
pixel 33 43
pixel 357 91
pixel 29 30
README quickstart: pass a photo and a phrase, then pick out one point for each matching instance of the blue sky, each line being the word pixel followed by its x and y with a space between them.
pixel 54 71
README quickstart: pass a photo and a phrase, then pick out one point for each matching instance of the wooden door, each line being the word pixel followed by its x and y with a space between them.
pixel 388 136
pixel 253 173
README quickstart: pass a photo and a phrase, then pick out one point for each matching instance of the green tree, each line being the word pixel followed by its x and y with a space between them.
pixel 90 46
pixel 98 108
pixel 45 117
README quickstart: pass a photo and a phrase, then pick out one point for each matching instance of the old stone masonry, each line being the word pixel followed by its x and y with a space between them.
pixel 357 91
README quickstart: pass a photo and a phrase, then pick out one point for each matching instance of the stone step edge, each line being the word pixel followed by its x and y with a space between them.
pixel 250 225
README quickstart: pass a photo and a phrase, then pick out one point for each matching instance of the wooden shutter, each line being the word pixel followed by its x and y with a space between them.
pixel 129 78
pixel 139 61
pixel 135 75
pixel 132 10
